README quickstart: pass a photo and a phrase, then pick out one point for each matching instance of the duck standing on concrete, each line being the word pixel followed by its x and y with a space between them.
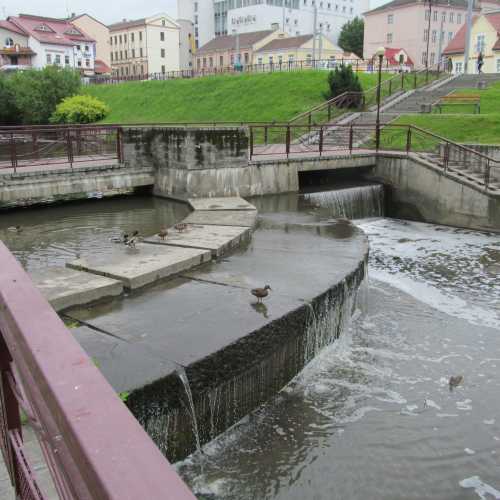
pixel 455 381
pixel 181 227
pixel 163 233
pixel 261 293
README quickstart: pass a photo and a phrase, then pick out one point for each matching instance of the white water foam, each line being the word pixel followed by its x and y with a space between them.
pixel 481 489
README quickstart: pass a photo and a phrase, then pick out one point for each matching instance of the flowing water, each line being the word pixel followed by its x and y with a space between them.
pixel 372 415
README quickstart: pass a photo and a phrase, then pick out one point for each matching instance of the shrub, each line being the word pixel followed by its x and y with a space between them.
pixel 79 109
pixel 343 80
pixel 38 92
pixel 9 114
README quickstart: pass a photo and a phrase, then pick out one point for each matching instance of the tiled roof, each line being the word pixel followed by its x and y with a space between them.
pixel 7 25
pixel 58 30
pixel 457 44
pixel 286 43
pixel 400 3
pixel 79 16
pixel 228 42
pixel 127 24
pixel 100 67
pixel 390 54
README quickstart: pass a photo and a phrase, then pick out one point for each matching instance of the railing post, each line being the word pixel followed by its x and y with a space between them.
pixel 119 145
pixel 357 65
pixel 446 156
pixel 415 80
pixel 309 122
pixel 329 112
pixel 266 135
pixel 487 174
pixel 13 152
pixel 351 136
pixel 69 147
pixel 251 143
pixel 408 140
pixel 402 80
pixel 36 153
pixel 288 141
pixel 320 141
pixel 390 86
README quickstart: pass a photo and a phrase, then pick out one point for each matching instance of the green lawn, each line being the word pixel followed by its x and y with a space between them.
pixel 248 98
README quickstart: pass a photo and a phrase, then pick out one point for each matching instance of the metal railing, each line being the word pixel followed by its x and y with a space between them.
pixel 59 145
pixel 93 446
pixel 275 142
pixel 358 65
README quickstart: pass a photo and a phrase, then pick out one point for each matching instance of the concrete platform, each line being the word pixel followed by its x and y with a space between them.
pixel 144 265
pixel 242 218
pixel 65 288
pixel 230 203
pixel 218 239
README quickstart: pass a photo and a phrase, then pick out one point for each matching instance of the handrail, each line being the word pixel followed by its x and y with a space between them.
pixel 96 449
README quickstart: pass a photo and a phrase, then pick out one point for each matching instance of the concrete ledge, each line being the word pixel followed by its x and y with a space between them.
pixel 145 265
pixel 218 239
pixel 242 218
pixel 65 288
pixel 230 203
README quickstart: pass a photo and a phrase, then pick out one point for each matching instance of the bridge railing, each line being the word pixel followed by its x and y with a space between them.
pixel 92 445
pixel 59 145
pixel 275 142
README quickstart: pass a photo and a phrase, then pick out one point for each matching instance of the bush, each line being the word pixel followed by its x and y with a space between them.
pixel 343 80
pixel 9 114
pixel 79 109
pixel 38 92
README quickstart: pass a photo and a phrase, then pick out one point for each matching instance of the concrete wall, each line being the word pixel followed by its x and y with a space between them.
pixel 421 191
pixel 22 190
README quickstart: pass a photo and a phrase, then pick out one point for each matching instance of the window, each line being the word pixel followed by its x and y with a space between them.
pixel 115 40
pixel 390 19
pixel 280 60
pixel 124 38
pixel 435 17
pixel 427 14
pixel 111 56
pixel 116 56
pixel 162 52
pixel 132 37
pixel 459 18
pixel 140 52
pixel 133 53
pixel 126 55
pixel 86 48
pixel 221 60
pixel 426 35
pixel 121 55
pixel 49 58
pixel 140 36
pixel 443 17
pixel 142 69
pixel 452 17
pixel 162 36
pixel 458 67
pixel 79 63
pixel 271 60
pixel 424 58
pixel 163 22
pixel 211 62
pixel 247 58
pixel 163 69
pixel 450 36
pixel 57 59
pixel 434 36
pixel 121 39
pixel 66 59
pixel 480 45
pixel 433 56
pixel 87 63
pixel 204 62
pixel 389 37
pixel 9 42
pixel 259 60
pixel 111 40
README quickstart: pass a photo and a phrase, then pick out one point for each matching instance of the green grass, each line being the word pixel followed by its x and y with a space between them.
pixel 248 98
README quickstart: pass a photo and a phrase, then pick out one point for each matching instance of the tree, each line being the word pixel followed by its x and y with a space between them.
pixel 9 114
pixel 351 36
pixel 342 80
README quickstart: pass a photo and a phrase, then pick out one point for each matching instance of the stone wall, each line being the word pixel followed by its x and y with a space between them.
pixel 419 190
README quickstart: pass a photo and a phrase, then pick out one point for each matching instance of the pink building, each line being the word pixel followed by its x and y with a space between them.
pixel 405 24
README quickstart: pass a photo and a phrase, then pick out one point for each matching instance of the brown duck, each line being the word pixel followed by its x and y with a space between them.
pixel 163 233
pixel 181 227
pixel 261 293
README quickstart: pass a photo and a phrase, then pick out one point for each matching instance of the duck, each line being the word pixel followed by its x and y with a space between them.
pixel 163 233
pixel 261 293
pixel 455 381
pixel 15 229
pixel 181 227
pixel 121 239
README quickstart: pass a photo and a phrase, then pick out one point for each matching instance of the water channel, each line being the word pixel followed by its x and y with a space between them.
pixel 372 416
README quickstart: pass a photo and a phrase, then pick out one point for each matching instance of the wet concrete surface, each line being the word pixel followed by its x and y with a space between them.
pixel 245 218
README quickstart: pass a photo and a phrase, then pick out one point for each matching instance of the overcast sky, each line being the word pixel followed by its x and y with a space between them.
pixel 107 11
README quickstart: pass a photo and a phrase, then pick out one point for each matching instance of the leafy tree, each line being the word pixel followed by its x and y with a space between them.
pixel 38 92
pixel 351 36
pixel 9 114
pixel 342 80
pixel 79 109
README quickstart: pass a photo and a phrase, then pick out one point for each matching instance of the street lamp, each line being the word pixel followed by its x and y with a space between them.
pixel 380 54
pixel 428 40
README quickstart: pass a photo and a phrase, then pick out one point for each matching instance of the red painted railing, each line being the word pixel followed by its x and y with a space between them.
pixel 93 446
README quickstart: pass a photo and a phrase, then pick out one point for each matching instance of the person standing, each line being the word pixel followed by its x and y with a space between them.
pixel 480 63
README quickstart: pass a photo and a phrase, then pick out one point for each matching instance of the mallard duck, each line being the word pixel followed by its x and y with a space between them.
pixel 261 293
pixel 163 233
pixel 15 229
pixel 121 239
pixel 181 227
pixel 131 242
pixel 455 381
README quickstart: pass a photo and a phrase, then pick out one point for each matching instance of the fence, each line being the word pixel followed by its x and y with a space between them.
pixel 92 445
pixel 358 65
pixel 52 145
pixel 303 141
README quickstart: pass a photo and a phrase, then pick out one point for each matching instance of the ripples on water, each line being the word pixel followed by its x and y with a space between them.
pixel 372 416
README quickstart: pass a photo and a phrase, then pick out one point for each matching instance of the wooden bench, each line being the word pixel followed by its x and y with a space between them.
pixel 453 99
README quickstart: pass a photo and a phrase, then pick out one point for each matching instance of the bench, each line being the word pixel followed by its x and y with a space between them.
pixel 453 99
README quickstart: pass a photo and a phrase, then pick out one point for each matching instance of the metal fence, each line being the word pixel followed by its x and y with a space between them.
pixel 92 445
pixel 59 145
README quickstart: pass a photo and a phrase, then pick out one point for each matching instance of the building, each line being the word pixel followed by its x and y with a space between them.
pixel 145 46
pixel 397 60
pixel 215 18
pixel 405 24
pixel 221 52
pixel 484 39
pixel 100 33
pixel 43 41
pixel 14 49
pixel 298 48
pixel 186 45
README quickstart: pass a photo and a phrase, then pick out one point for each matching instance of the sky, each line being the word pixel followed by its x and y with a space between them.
pixel 107 11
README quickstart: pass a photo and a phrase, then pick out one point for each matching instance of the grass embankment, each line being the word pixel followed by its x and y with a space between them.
pixel 460 125
pixel 246 98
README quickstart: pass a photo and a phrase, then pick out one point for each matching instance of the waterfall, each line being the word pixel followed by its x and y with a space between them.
pixel 351 203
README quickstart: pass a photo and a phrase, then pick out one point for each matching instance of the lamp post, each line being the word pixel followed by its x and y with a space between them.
pixel 380 54
pixel 428 40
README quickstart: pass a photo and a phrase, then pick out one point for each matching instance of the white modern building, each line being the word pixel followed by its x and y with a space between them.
pixel 214 18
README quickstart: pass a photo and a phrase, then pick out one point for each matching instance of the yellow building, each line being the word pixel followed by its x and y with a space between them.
pixel 485 39
pixel 300 49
